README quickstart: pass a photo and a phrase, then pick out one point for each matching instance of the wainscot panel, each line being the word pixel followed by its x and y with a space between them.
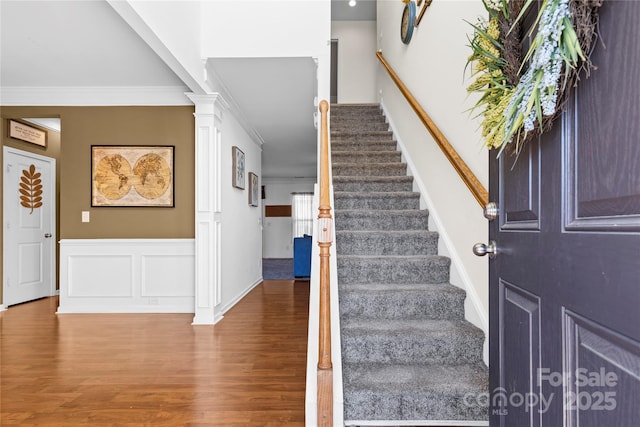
pixel 127 276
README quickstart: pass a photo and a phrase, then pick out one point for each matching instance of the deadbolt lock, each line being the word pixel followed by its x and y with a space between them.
pixel 491 211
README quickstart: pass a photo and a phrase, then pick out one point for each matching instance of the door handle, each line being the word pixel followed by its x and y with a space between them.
pixel 480 249
pixel 47 235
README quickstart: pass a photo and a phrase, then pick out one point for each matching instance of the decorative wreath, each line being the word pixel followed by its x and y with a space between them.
pixel 521 95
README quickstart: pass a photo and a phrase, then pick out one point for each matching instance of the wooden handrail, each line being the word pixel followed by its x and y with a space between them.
pixel 325 238
pixel 471 181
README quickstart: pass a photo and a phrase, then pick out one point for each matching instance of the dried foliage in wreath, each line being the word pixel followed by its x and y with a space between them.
pixel 521 93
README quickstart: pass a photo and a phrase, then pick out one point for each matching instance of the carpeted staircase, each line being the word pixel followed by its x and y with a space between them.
pixel 408 354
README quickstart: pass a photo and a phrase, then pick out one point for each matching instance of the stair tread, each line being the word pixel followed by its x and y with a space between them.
pixel 365 152
pixel 359 219
pixel 398 233
pixel 387 377
pixel 367 156
pixel 380 392
pixel 376 194
pixel 360 132
pixel 336 106
pixel 435 327
pixel 402 287
pixel 396 257
pixel 379 164
pixel 359 142
pixel 382 178
pixel 369 169
pixel 385 212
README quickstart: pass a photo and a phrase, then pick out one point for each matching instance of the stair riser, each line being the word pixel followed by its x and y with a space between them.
pixel 350 114
pixel 393 270
pixel 407 347
pixel 353 119
pixel 401 305
pixel 355 111
pixel 381 405
pixel 381 221
pixel 385 244
pixel 361 136
pixel 366 157
pixel 381 203
pixel 354 125
pixel 354 186
pixel 352 169
pixel 349 146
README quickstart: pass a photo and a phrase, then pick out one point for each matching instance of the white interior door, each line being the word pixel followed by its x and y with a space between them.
pixel 29 226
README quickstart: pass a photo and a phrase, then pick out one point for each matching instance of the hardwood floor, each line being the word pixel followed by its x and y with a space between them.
pixel 157 369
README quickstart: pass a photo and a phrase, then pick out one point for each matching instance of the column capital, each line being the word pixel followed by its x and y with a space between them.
pixel 210 103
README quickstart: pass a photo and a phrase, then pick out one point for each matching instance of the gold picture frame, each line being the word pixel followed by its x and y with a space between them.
pixel 132 176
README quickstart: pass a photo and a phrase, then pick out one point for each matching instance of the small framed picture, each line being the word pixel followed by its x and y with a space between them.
pixel 254 189
pixel 27 133
pixel 238 168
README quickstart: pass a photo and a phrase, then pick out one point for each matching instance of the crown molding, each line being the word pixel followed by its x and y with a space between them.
pixel 95 96
pixel 214 81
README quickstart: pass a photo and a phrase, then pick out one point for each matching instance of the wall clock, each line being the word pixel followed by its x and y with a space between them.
pixel 408 22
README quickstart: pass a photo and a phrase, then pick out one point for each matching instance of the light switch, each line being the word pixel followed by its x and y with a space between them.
pixel 85 216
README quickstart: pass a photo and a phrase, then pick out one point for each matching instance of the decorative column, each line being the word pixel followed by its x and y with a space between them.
pixel 208 114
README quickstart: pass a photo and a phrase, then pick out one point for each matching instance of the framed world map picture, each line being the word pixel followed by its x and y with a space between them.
pixel 132 176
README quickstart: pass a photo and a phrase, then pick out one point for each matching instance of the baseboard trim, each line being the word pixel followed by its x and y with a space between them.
pixel 3 308
pixel 237 299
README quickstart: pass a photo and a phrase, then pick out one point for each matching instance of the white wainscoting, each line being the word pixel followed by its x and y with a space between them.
pixel 127 276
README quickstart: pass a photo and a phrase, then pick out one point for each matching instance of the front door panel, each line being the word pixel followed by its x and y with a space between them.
pixel 565 286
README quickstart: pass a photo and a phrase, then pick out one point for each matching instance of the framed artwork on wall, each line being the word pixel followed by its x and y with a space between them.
pixel 132 176
pixel 238 168
pixel 254 189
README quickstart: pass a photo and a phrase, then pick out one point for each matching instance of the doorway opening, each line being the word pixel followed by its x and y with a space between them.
pixel 333 95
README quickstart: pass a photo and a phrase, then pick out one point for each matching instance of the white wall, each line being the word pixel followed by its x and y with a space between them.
pixel 431 66
pixel 277 239
pixel 356 61
pixel 173 30
pixel 241 258
pixel 259 29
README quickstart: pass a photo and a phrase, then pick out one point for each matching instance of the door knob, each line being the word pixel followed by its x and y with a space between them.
pixel 491 211
pixel 47 235
pixel 480 249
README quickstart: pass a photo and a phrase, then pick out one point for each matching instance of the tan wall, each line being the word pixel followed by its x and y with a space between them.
pixel 86 126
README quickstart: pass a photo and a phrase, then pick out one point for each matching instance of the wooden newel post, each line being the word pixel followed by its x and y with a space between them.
pixel 325 239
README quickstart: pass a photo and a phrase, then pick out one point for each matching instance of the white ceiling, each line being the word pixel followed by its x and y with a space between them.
pixel 277 96
pixel 364 10
pixel 73 45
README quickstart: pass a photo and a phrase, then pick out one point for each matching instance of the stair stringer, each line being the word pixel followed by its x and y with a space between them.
pixel 473 309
